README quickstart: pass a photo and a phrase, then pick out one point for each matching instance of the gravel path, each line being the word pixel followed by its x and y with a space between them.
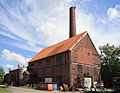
pixel 25 90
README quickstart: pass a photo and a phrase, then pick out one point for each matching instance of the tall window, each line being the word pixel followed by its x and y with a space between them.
pixel 95 71
pixel 48 62
pixel 79 69
pixel 58 60
pixel 40 64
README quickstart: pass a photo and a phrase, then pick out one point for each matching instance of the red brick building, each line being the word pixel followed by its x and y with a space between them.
pixel 6 78
pixel 74 61
pixel 12 77
pixel 70 62
pixel 15 76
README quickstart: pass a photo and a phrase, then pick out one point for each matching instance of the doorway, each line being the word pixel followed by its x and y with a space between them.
pixel 87 82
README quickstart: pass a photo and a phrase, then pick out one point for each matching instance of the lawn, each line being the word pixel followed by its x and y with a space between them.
pixel 4 90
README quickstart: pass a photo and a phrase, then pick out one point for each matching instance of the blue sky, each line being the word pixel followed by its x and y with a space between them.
pixel 28 26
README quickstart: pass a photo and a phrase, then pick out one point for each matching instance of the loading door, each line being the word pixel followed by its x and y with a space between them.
pixel 87 82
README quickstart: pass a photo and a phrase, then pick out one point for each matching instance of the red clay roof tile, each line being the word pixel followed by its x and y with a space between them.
pixel 58 48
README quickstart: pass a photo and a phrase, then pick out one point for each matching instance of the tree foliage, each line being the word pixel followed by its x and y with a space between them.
pixel 110 67
pixel 1 74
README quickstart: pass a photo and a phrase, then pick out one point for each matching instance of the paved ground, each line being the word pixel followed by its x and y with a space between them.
pixel 25 90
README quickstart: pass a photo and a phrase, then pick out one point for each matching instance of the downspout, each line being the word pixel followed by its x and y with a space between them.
pixel 70 69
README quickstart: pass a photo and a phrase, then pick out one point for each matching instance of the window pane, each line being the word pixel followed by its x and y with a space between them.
pixel 58 60
pixel 48 62
pixel 95 71
pixel 79 69
pixel 39 64
pixel 32 66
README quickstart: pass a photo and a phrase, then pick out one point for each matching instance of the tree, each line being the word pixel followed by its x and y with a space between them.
pixel 1 74
pixel 110 67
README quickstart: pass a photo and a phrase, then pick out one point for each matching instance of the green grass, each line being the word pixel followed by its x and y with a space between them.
pixel 4 90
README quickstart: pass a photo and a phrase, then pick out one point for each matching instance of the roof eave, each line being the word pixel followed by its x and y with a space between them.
pixel 48 56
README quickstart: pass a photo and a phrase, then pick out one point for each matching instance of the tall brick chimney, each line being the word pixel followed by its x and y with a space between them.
pixel 72 22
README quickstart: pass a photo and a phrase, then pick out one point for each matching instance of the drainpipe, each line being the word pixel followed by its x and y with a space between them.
pixel 70 69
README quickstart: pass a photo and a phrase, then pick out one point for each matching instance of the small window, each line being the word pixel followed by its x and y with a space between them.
pixel 48 62
pixel 58 60
pixel 40 64
pixel 95 71
pixel 66 59
pixel 79 69
pixel 32 66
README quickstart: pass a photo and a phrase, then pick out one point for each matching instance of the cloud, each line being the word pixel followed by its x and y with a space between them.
pixel 114 12
pixel 8 35
pixel 84 1
pixel 8 56
pixel 46 24
pixel 108 32
pixel 102 20
pixel 9 66
pixel 35 24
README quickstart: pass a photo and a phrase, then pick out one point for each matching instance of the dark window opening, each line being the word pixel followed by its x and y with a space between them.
pixel 41 79
pixel 39 64
pixel 118 80
pixel 58 60
pixel 95 71
pixel 48 62
pixel 66 59
pixel 32 66
pixel 79 69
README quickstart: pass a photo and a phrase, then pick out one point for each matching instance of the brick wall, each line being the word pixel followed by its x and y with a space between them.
pixel 6 78
pixel 86 55
pixel 14 76
pixel 59 73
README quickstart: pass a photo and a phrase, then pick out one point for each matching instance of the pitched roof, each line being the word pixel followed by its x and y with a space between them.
pixel 59 47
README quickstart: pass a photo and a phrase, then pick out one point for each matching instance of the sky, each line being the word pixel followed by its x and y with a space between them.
pixel 28 26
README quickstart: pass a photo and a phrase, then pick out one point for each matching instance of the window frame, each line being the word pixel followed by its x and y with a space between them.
pixel 48 62
pixel 80 68
pixel 59 60
pixel 95 71
pixel 40 65
pixel 32 66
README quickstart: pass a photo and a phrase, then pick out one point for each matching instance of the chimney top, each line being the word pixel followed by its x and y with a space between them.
pixel 72 19
pixel 73 7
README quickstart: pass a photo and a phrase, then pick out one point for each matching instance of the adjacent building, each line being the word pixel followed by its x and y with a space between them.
pixel 15 76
